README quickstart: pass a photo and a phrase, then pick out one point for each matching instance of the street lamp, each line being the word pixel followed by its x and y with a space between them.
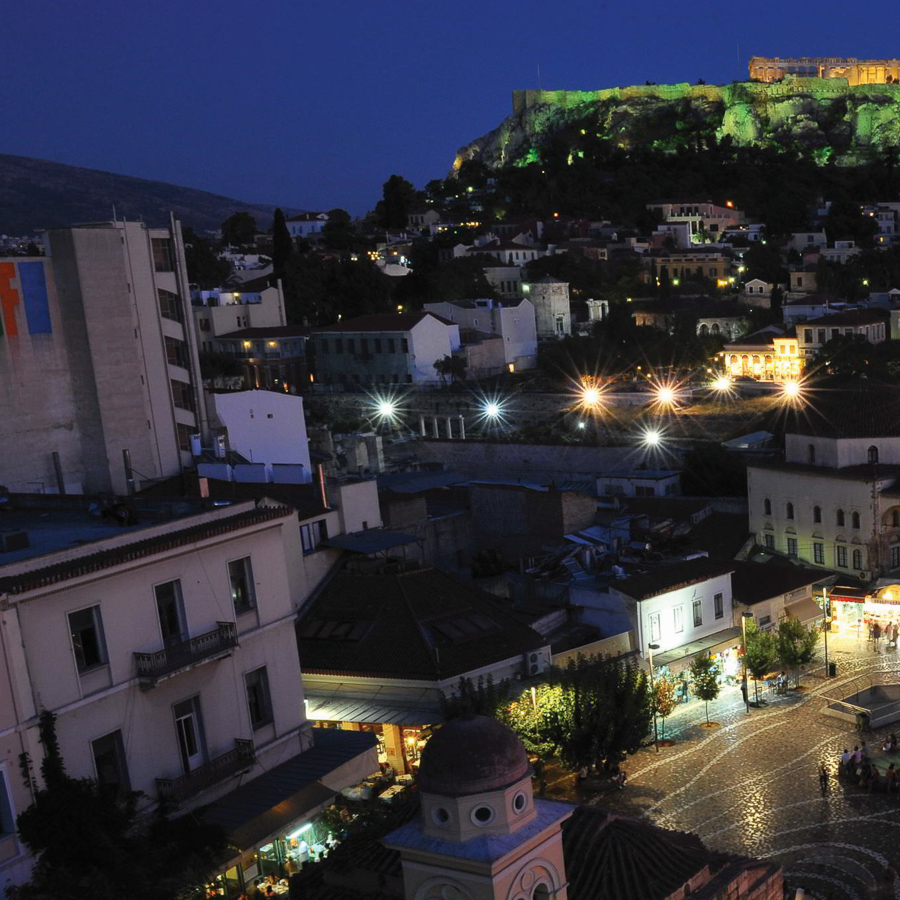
pixel 744 617
pixel 826 624
pixel 651 648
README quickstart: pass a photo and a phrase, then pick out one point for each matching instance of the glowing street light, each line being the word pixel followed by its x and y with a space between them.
pixel 791 392
pixel 590 396
pixel 665 395
pixel 722 383
pixel 492 409
pixel 652 438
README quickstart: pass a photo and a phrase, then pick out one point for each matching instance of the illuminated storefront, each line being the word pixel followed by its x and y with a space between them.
pixel 856 611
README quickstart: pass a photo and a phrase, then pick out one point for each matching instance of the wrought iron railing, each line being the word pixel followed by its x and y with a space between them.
pixel 152 666
pixel 174 790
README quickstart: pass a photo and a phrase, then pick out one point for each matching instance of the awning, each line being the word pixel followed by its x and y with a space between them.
pixel 806 610
pixel 374 540
pixel 297 788
pixel 679 657
pixel 334 708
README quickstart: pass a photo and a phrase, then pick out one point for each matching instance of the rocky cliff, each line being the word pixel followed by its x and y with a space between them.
pixel 826 117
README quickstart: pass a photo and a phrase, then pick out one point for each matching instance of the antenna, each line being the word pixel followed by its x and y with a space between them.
pixel 540 87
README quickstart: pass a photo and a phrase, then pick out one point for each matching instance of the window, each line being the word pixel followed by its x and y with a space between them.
pixel 895 556
pixel 678 614
pixel 792 546
pixel 719 605
pixel 170 609
pixel 240 575
pixel 654 628
pixel 258 698
pixel 789 510
pixel 163 259
pixel 176 352
pixel 170 307
pixel 351 345
pixel 857 559
pixel 767 507
pixel 404 345
pixel 895 519
pixel 854 519
pixel 698 613
pixel 839 518
pixel 323 345
pixel 378 345
pixel 364 345
pixel 391 346
pixel 7 815
pixel 817 514
pixel 110 763
pixel 185 432
pixel 189 731
pixel 873 454
pixel 312 534
pixel 821 335
pixel 182 395
pixel 819 554
pixel 808 335
pixel 811 454
pixel 338 345
pixel 88 643
pixel 840 555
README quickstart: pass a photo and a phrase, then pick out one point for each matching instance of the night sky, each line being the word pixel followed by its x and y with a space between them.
pixel 314 104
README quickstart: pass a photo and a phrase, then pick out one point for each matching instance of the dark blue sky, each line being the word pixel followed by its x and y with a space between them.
pixel 314 104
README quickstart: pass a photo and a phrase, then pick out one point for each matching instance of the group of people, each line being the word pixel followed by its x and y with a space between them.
pixel 857 765
pixel 889 631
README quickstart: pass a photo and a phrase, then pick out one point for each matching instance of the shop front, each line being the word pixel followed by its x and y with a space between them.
pixel 856 611
pixel 723 646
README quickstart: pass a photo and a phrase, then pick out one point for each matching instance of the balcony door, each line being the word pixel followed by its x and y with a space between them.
pixel 189 728
pixel 170 609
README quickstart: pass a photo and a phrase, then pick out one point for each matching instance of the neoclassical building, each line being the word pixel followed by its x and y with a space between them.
pixel 771 354
pixel 856 71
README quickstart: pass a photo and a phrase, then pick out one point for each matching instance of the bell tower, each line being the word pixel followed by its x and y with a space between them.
pixel 482 835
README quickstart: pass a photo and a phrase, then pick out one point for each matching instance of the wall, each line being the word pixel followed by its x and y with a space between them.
pixel 837 453
pixel 265 426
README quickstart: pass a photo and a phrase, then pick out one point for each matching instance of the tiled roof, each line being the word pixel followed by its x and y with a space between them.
pixel 851 317
pixel 667 578
pixel 106 559
pixel 382 322
pixel 757 339
pixel 752 582
pixel 308 217
pixel 274 331
pixel 422 624
pixel 856 409
pixel 813 300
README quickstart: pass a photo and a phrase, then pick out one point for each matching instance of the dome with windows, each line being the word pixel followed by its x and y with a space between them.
pixel 472 755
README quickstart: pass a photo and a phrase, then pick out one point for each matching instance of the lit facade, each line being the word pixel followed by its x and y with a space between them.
pixel 765 356
pixel 856 71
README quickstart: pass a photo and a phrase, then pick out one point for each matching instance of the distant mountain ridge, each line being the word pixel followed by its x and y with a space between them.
pixel 37 193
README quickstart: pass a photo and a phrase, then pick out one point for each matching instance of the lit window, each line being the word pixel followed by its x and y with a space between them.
pixel 259 699
pixel 240 575
pixel 698 613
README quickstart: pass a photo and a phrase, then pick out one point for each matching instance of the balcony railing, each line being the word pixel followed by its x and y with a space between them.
pixel 151 667
pixel 175 790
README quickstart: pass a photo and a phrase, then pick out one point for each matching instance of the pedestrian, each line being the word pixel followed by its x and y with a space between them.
pixel 876 636
pixel 846 758
pixel 890 778
pixel 857 757
pixel 823 780
pixel 895 633
pixel 744 692
pixel 864 751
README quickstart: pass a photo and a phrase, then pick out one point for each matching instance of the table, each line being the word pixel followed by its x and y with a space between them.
pixel 391 792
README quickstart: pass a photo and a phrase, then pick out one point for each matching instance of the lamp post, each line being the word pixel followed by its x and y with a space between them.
pixel 651 648
pixel 744 617
pixel 826 620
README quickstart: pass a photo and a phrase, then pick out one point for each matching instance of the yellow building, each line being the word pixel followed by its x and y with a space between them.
pixel 767 355
pixel 856 71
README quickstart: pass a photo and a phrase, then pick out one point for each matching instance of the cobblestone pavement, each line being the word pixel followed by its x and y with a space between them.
pixel 751 785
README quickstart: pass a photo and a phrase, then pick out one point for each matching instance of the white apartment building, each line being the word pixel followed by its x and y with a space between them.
pixel 834 501
pixel 871 324
pixel 384 350
pixel 702 216
pixel 102 354
pixel 254 304
pixel 512 321
pixel 307 224
pixel 167 651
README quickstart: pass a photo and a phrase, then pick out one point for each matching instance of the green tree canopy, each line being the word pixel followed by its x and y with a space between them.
pixel 398 200
pixel 761 653
pixel 239 230
pixel 204 267
pixel 282 244
pixel 796 645
pixel 705 677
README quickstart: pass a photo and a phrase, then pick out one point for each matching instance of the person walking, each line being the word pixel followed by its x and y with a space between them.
pixel 876 636
pixel 823 780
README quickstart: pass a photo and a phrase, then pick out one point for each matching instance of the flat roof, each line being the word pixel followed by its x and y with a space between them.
pixel 373 540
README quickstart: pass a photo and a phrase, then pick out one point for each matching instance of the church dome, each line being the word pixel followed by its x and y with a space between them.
pixel 472 755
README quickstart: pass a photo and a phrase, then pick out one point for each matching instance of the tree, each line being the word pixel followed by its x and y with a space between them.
pixel 452 367
pixel 204 267
pixel 239 230
pixel 796 645
pixel 664 700
pixel 595 708
pixel 282 244
pixel 705 676
pixel 760 654
pixel 481 698
pixel 88 839
pixel 398 198
pixel 338 232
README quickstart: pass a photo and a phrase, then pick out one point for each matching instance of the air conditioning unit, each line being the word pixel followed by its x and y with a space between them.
pixel 865 576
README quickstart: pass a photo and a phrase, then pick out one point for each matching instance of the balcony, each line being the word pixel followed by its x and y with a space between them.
pixel 176 790
pixel 215 644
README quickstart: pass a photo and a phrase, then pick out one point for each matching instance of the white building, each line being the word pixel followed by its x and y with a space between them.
pixel 383 350
pixel 807 240
pixel 254 304
pixel 550 298
pixel 840 252
pixel 101 351
pixel 167 653
pixel 834 501
pixel 512 321
pixel 870 324
pixel 307 224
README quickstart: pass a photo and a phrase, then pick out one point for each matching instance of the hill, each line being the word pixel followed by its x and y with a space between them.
pixel 36 193
pixel 825 118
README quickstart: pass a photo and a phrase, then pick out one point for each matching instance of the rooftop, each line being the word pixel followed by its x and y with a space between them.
pixel 667 578
pixel 850 317
pixel 382 322
pixel 860 408
pixel 753 582
pixel 421 624
pixel 864 472
pixel 274 331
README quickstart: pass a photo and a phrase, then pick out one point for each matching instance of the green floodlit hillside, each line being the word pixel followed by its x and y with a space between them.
pixel 827 118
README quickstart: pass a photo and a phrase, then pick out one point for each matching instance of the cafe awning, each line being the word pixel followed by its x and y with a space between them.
pixel 297 788
pixel 806 610
pixel 679 658
pixel 369 711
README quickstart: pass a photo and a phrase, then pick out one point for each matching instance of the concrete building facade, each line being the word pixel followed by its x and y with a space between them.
pixel 550 298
